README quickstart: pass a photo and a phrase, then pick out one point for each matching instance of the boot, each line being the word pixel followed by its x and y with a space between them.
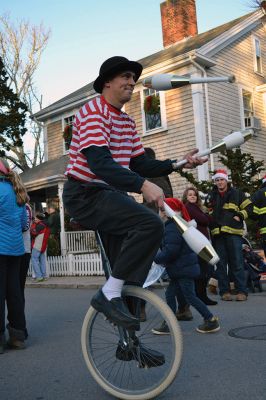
pixel 212 286
pixel 184 314
pixel 2 343
pixel 16 338
pixel 201 292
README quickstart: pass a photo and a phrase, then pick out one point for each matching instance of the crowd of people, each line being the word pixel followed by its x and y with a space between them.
pixel 107 160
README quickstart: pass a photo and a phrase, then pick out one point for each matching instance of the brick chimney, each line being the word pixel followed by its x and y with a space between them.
pixel 179 20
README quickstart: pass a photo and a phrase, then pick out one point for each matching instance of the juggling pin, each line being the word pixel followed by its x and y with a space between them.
pixel 167 81
pixel 234 139
pixel 194 238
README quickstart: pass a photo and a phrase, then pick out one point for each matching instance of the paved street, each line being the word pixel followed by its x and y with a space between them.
pixel 214 367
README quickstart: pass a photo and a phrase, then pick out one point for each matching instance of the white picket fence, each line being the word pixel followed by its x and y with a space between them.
pixel 81 242
pixel 73 264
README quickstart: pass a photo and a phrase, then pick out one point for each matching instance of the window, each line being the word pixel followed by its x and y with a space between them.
pixel 257 56
pixel 67 131
pixel 248 107
pixel 152 109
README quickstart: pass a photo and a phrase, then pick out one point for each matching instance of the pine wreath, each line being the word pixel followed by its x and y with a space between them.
pixel 67 133
pixel 152 104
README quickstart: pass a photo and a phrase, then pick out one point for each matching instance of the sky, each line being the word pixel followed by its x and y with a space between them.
pixel 84 33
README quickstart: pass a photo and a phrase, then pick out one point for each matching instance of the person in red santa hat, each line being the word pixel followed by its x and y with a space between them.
pixel 259 209
pixel 229 207
pixel 182 266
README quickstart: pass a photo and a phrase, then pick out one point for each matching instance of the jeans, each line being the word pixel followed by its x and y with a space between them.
pixel 10 293
pixel 38 263
pixel 229 249
pixel 183 290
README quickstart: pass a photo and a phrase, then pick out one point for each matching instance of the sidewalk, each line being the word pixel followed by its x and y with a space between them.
pixel 68 282
pixel 71 282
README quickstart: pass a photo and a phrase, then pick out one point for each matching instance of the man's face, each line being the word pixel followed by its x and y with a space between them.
pixel 122 86
pixel 221 184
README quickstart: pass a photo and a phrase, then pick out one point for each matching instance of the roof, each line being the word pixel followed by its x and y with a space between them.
pixel 174 50
pixel 46 174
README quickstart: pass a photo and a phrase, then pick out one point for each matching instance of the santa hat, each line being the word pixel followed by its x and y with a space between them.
pixel 177 205
pixel 4 167
pixel 264 179
pixel 220 173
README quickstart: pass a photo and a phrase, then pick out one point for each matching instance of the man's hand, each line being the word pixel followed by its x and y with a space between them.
pixel 192 160
pixel 153 194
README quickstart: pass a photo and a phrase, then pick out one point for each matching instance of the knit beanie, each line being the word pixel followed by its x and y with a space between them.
pixel 177 205
pixel 264 179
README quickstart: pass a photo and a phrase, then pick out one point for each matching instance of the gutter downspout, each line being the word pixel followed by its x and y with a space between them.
pixel 207 105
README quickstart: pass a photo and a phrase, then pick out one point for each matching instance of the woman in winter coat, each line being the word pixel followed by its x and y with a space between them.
pixel 181 264
pixel 194 206
pixel 13 220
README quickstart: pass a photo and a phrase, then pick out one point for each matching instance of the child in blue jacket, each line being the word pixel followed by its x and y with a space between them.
pixel 182 266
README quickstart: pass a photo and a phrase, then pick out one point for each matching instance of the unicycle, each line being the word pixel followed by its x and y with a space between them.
pixel 117 358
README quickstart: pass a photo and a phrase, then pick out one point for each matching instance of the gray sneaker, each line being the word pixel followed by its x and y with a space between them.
pixel 162 330
pixel 209 326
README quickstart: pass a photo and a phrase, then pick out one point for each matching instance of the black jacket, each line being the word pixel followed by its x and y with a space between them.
pixel 259 207
pixel 223 209
pixel 175 255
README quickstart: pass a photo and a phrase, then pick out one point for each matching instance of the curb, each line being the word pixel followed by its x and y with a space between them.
pixel 93 285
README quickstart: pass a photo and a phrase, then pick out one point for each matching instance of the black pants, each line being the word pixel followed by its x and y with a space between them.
pixel 263 243
pixel 24 267
pixel 10 293
pixel 131 232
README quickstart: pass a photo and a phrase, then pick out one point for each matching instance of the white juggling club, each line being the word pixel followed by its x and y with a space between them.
pixel 167 81
pixel 234 139
pixel 194 238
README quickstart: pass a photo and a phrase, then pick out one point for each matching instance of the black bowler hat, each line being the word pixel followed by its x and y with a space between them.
pixel 113 66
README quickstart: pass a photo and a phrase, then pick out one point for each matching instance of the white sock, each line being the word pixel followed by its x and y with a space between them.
pixel 113 288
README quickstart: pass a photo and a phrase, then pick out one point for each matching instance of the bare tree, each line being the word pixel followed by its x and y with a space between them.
pixel 258 4
pixel 21 47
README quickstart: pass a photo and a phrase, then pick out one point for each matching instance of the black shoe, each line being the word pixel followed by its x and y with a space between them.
pixel 143 355
pixel 209 326
pixel 209 302
pixel 115 310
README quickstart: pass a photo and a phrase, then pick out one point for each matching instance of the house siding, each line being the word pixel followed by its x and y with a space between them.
pixel 225 99
pixel 54 139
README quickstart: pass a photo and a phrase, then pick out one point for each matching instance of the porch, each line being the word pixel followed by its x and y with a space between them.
pixel 80 254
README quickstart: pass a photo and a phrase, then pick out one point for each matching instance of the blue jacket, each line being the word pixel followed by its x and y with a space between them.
pixel 175 255
pixel 13 219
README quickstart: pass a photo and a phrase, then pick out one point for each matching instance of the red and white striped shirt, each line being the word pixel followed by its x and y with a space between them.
pixel 99 124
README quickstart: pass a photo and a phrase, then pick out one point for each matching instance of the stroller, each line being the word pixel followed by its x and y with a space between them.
pixel 254 266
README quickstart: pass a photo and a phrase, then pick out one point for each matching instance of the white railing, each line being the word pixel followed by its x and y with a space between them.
pixel 81 242
pixel 73 264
